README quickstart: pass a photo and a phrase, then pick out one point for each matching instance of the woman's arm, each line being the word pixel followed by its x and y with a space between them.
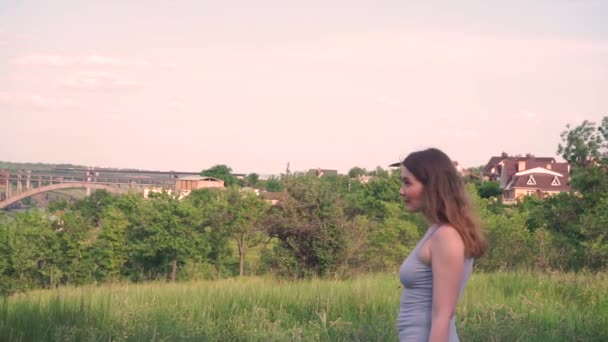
pixel 447 262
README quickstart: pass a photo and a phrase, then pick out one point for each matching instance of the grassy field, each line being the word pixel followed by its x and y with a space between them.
pixel 495 307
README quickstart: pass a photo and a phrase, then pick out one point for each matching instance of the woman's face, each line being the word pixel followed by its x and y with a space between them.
pixel 411 190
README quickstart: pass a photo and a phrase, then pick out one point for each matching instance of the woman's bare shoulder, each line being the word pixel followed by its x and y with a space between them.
pixel 447 236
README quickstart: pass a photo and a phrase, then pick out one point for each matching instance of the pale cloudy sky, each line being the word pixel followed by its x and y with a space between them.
pixel 185 85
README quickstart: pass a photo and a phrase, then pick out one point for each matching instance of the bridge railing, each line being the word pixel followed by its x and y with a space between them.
pixel 14 184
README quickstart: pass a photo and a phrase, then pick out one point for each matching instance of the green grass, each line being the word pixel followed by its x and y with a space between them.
pixel 495 307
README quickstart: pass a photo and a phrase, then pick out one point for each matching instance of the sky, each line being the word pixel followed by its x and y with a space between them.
pixel 185 85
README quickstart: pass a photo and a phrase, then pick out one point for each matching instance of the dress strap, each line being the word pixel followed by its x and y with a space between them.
pixel 432 230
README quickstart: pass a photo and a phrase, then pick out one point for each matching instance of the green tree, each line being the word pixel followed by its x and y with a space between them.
pixel 489 189
pixel 76 236
pixel 252 179
pixel 29 253
pixel 210 204
pixel 585 147
pixel 393 238
pixel 110 250
pixel 273 184
pixel 165 235
pixel 241 214
pixel 315 235
pixel 511 243
pixel 382 189
pixel 594 228
pixel 356 172
pixel 222 172
pixel 91 207
pixel 584 144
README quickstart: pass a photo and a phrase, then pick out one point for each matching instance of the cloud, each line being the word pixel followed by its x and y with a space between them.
pixel 438 53
pixel 176 105
pixel 529 116
pixel 387 100
pixel 36 101
pixel 3 38
pixel 88 61
pixel 97 80
pixel 457 133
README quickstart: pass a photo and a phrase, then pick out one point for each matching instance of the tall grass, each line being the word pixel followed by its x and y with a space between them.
pixel 495 307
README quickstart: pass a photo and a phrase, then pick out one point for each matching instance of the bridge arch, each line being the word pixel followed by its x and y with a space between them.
pixel 59 186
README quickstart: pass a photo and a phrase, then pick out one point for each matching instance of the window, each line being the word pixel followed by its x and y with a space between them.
pixel 531 181
pixel 556 181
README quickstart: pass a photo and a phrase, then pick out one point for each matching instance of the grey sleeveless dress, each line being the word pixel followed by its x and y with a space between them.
pixel 415 308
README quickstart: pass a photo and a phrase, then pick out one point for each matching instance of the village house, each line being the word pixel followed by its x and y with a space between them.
pixel 520 176
pixel 190 183
pixel 185 185
pixel 322 172
pixel 461 170
pixel 273 197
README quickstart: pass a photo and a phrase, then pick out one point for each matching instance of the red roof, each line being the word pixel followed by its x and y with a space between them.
pixel 541 181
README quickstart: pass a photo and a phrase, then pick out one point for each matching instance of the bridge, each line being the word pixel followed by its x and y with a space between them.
pixel 22 184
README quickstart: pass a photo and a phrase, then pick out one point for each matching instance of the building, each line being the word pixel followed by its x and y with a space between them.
pixel 4 177
pixel 538 182
pixel 499 167
pixel 461 170
pixel 190 183
pixel 273 197
pixel 520 176
pixel 322 172
pixel 185 185
pixel 364 179
pixel 4 184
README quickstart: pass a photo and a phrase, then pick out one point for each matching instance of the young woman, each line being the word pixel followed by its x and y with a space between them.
pixel 437 270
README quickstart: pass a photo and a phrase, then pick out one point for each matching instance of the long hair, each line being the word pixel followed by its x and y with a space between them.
pixel 444 197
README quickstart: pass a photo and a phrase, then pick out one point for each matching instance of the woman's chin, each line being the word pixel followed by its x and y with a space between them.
pixel 409 207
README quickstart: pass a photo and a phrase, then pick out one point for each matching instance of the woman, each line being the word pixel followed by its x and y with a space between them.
pixel 436 271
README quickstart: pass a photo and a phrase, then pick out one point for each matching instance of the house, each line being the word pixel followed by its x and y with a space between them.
pixel 190 183
pixel 185 185
pixel 538 182
pixel 4 184
pixel 520 176
pixel 364 179
pixel 273 197
pixel 4 177
pixel 461 170
pixel 322 172
pixel 499 167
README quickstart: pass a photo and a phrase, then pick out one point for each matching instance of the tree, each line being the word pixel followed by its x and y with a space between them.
pixel 392 238
pixel 594 227
pixel 75 234
pixel 110 248
pixel 489 189
pixel 92 206
pixel 356 172
pixel 585 147
pixel 30 253
pixel 315 236
pixel 165 234
pixel 222 172
pixel 272 184
pixel 241 213
pixel 382 189
pixel 252 179
pixel 210 205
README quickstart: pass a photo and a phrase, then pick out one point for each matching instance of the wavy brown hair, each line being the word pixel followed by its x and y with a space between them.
pixel 444 197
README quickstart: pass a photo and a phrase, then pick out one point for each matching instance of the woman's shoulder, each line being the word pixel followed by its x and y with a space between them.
pixel 447 236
